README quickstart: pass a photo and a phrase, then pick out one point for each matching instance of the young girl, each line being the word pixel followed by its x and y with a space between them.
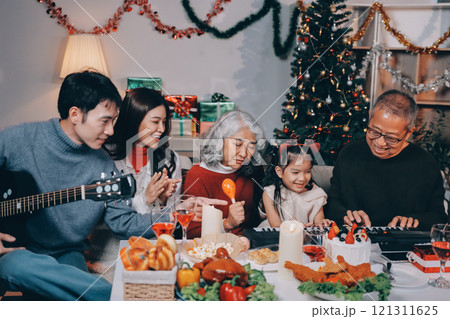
pixel 289 192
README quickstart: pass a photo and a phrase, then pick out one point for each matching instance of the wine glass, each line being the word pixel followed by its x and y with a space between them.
pixel 164 220
pixel 312 244
pixel 185 206
pixel 440 241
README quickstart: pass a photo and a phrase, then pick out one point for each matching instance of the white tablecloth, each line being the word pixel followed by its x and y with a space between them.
pixel 287 289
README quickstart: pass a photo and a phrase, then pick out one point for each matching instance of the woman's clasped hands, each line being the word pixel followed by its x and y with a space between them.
pixel 161 186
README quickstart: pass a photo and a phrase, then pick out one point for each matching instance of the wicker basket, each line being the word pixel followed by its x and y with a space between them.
pixel 149 285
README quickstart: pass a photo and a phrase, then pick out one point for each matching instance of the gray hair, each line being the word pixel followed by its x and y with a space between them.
pixel 227 125
pixel 397 103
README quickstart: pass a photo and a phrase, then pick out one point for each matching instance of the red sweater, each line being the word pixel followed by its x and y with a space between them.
pixel 205 183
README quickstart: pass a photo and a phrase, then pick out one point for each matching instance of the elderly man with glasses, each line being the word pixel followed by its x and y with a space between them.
pixel 385 180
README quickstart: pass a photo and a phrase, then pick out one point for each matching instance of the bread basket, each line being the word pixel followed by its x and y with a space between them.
pixel 149 284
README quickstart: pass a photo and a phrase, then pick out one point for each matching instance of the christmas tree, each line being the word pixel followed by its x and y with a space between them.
pixel 327 103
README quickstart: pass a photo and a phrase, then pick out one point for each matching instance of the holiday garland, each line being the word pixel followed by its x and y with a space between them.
pixel 400 37
pixel 145 9
pixel 204 26
pixel 281 50
pixel 397 75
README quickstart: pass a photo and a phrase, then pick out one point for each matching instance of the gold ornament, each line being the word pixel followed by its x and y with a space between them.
pixel 322 73
pixel 346 128
pixel 342 105
pixel 319 105
pixel 302 97
pixel 367 100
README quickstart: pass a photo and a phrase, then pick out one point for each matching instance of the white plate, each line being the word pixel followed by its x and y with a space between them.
pixel 371 296
pixel 406 278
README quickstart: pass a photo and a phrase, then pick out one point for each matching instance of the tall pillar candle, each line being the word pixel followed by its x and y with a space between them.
pixel 290 247
pixel 211 220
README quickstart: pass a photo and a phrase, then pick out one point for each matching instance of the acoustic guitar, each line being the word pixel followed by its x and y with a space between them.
pixel 16 203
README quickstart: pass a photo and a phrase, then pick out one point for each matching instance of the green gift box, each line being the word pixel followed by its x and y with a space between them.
pixel 151 83
pixel 211 111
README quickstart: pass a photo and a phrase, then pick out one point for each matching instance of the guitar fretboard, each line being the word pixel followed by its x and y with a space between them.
pixel 31 203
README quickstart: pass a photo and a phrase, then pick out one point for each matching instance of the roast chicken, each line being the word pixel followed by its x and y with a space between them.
pixel 222 267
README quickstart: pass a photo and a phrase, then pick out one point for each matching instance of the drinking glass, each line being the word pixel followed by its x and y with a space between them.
pixel 164 220
pixel 185 206
pixel 440 241
pixel 312 244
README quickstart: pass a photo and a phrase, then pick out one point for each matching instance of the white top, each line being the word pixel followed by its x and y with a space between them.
pixel 303 207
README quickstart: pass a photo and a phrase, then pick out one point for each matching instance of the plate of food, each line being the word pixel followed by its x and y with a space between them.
pixel 341 281
pixel 264 258
pixel 199 249
pixel 222 278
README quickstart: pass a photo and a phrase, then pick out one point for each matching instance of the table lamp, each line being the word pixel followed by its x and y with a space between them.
pixel 83 51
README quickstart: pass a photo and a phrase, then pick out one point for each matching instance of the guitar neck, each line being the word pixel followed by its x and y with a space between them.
pixel 36 202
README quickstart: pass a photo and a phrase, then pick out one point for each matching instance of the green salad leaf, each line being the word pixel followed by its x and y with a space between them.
pixel 211 292
pixel 379 283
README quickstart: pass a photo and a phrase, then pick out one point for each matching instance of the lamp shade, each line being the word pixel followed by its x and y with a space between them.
pixel 83 51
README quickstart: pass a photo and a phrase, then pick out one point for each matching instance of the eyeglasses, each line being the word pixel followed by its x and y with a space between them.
pixel 374 134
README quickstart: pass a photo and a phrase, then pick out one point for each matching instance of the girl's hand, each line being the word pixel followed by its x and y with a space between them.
pixel 236 216
pixel 323 223
pixel 155 187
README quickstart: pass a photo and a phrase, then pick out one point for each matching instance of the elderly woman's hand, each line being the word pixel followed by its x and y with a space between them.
pixel 236 216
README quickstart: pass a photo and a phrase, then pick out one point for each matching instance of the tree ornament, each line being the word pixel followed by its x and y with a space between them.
pixel 285 130
pixel 319 105
pixel 334 27
pixel 357 108
pixel 342 105
pixel 353 67
pixel 302 97
pixel 367 100
pixel 346 128
pixel 302 46
pixel 328 100
pixel 322 73
pixel 349 82
pixel 307 75
pixel 355 94
pixel 333 8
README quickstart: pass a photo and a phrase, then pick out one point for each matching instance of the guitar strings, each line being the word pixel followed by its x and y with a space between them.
pixel 15 206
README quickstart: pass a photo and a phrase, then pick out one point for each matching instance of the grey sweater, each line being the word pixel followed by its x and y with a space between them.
pixel 56 162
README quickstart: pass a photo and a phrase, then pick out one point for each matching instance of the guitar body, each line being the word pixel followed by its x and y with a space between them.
pixel 15 185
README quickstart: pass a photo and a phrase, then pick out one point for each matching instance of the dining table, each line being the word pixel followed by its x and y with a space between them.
pixel 409 283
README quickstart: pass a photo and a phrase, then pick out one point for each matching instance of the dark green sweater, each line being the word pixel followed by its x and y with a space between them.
pixel 409 184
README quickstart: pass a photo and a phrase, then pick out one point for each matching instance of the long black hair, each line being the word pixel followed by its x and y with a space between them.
pixel 282 156
pixel 136 104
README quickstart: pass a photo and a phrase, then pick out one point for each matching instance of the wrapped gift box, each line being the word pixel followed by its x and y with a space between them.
pixel 423 257
pixel 183 107
pixel 211 111
pixel 151 83
pixel 182 126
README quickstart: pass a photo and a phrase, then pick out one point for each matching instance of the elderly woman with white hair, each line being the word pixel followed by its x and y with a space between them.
pixel 231 149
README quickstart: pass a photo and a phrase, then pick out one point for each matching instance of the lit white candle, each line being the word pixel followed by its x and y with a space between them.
pixel 211 220
pixel 290 247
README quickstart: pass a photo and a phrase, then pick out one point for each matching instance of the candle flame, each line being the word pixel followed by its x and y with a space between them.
pixel 292 228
